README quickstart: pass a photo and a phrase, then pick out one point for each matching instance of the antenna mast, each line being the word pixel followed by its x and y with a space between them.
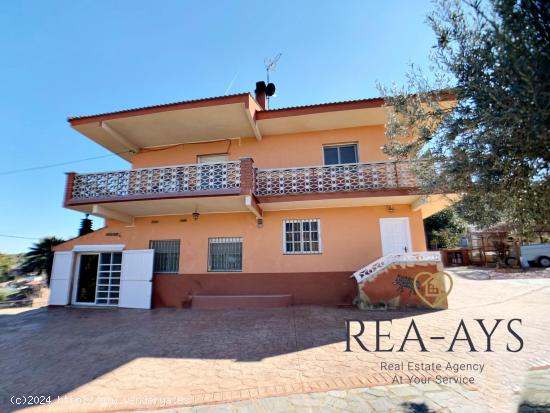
pixel 270 64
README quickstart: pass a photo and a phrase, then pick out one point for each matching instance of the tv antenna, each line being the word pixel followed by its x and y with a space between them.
pixel 270 64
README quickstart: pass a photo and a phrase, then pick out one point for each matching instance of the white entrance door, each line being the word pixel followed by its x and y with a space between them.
pixel 136 281
pixel 395 235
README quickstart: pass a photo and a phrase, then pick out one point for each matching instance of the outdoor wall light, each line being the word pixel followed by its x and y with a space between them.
pixel 195 215
pixel 391 209
pixel 260 222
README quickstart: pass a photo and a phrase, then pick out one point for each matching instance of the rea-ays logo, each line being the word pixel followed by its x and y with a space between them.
pixel 382 339
pixel 432 289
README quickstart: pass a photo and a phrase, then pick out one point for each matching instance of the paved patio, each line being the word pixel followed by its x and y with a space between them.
pixel 397 398
pixel 115 359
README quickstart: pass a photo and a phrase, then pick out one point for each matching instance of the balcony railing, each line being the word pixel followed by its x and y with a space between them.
pixel 181 179
pixel 335 178
pixel 382 263
pixel 236 177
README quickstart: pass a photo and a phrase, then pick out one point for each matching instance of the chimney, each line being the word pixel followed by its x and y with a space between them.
pixel 260 94
pixel 85 226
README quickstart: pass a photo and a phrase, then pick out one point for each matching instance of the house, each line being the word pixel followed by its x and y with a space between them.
pixel 230 203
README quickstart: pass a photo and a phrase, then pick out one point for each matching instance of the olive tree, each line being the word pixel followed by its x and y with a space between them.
pixel 481 121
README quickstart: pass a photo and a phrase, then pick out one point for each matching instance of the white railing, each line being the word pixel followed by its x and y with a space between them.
pixel 163 180
pixel 407 257
pixel 335 178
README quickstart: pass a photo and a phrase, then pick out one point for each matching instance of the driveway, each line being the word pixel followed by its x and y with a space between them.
pixel 116 359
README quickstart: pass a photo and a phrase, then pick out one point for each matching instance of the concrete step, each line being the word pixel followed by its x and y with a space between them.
pixel 218 302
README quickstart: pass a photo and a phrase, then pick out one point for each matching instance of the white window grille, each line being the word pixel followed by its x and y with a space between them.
pixel 167 255
pixel 225 254
pixel 302 236
pixel 108 281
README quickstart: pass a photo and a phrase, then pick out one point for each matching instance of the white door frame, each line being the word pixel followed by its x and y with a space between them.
pixel 76 273
pixel 408 232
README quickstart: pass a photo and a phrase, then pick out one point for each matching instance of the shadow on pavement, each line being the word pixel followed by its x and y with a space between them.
pixel 55 350
pixel 417 408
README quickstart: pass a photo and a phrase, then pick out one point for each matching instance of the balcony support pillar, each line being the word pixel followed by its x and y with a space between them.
pixel 247 176
pixel 252 205
pixel 247 186
pixel 69 188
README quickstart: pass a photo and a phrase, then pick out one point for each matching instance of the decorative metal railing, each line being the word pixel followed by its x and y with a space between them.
pixel 407 257
pixel 151 181
pixel 335 178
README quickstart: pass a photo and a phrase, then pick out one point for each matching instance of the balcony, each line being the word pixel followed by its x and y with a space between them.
pixel 152 183
pixel 373 176
pixel 239 187
pixel 225 178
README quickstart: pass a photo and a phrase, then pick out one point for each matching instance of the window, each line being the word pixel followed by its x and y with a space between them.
pixel 167 255
pixel 225 254
pixel 218 158
pixel 337 154
pixel 302 236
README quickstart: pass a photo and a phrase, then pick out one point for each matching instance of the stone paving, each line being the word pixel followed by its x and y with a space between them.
pixel 398 398
pixel 116 359
pixel 475 273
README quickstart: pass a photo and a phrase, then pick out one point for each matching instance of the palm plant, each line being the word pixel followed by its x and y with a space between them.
pixel 40 257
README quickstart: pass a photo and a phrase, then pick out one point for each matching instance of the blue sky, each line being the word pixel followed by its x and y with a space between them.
pixel 61 58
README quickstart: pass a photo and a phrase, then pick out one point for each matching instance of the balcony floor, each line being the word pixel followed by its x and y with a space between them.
pixel 126 210
pixel 348 199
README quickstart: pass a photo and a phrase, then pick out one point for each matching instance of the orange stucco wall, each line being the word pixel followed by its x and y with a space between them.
pixel 280 151
pixel 350 238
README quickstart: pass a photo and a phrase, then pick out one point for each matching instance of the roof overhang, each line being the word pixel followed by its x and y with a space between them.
pixel 227 117
pixel 323 117
pixel 214 119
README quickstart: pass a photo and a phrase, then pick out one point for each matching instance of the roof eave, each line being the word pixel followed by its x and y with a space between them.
pixel 189 104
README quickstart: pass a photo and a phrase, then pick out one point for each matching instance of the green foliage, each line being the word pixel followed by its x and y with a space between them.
pixel 444 229
pixel 7 262
pixel 4 293
pixel 40 257
pixel 486 133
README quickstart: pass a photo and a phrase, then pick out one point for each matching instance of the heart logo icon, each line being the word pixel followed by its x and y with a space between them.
pixel 431 289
